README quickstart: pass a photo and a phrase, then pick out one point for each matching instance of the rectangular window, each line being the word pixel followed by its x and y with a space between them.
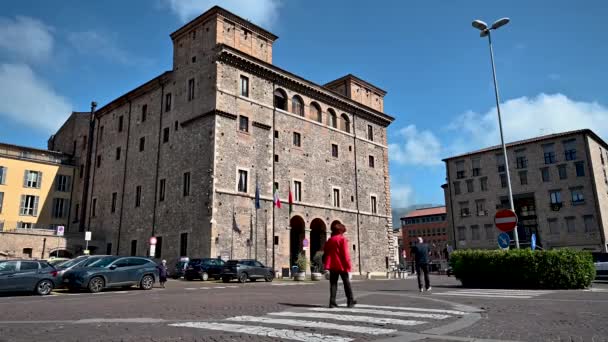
pixel 470 187
pixel 191 89
pixel 336 197
pixel 464 209
pixel 60 208
pixel 556 197
pixel 561 169
pixel 76 213
pixel 63 183
pixel 371 161
pixel 456 188
pixel 334 150
pixel 476 166
pixel 168 102
pixel 242 184
pixel 3 170
pixel 243 123
pixel 570 149
pixel 133 247
pixel 84 142
pixel 589 224
pixel 276 134
pixel 570 225
pixel 120 123
pixel 118 153
pixel 114 196
pixel 98 161
pixel 138 196
pixel 580 169
pixel 81 173
pixel 244 86
pixel 475 232
pixel 94 209
pixel 29 205
pixel 276 158
pixel 460 169
pixel 546 177
pixel 297 189
pixel 523 177
pixel 462 233
pixel 370 133
pixel 489 231
pixel 165 134
pixel 32 179
pixel 144 113
pixel 553 226
pixel 480 207
pixel 577 196
pixel 109 248
pixel 522 162
pixel 500 162
pixel 483 183
pixel 186 184
pixel 296 139
pixel 183 244
pixel 503 180
pixel 176 125
pixel 158 252
pixel 161 191
pixel 101 133
pixel 374 205
pixel 142 143
pixel 549 153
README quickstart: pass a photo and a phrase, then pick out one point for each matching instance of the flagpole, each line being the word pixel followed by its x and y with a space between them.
pixel 257 206
pixel 232 234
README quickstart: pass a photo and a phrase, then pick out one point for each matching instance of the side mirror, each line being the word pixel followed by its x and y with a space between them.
pixel 113 267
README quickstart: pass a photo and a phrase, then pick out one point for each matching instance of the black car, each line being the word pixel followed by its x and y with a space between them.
pixel 180 268
pixel 28 275
pixel 246 269
pixel 204 269
pixel 113 271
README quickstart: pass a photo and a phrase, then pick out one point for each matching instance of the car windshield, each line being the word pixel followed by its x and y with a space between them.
pixel 70 263
pixel 57 262
pixel 103 262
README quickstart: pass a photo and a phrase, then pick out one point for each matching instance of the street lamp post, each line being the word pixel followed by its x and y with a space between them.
pixel 485 31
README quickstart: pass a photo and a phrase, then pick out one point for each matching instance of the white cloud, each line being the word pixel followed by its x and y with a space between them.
pixel 26 38
pixel 524 118
pixel 415 147
pixel 29 100
pixel 401 196
pixel 261 12
pixel 101 44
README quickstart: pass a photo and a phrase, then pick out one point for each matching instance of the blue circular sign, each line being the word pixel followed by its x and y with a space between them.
pixel 504 240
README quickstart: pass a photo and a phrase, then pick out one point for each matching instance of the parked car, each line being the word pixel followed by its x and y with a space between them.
pixel 81 261
pixel 246 269
pixel 28 275
pixel 113 271
pixel 204 269
pixel 57 261
pixel 180 268
pixel 600 260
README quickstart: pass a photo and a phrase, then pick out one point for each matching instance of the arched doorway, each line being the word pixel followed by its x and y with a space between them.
pixel 318 236
pixel 296 236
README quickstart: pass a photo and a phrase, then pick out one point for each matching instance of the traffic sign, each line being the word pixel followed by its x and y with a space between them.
pixel 504 240
pixel 533 241
pixel 87 236
pixel 505 220
pixel 153 241
pixel 60 230
pixel 152 251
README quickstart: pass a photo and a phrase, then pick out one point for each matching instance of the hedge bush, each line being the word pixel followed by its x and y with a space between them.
pixel 523 268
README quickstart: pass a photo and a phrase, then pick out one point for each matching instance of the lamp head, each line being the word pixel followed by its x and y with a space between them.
pixel 480 25
pixel 500 22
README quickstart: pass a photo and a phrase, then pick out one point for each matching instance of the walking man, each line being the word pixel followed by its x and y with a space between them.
pixel 421 256
pixel 337 261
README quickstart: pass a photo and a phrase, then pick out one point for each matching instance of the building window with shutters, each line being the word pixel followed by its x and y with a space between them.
pixel 589 224
pixel 456 188
pixel 570 225
pixel 549 153
pixel 60 207
pixel 3 171
pixel 32 179
pixel 29 205
pixel 577 196
pixel 500 163
pixel 563 173
pixel 63 183
pixel 503 180
pixel 470 186
pixel 489 228
pixel 475 232
pixel 462 233
pixel 476 166
pixel 556 197
pixel 1 201
pixel 242 181
pixel 570 149
pixel 483 183
pixel 523 177
pixel 580 169
pixel 460 173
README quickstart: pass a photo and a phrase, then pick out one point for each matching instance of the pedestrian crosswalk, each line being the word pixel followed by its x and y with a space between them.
pixel 320 324
pixel 492 293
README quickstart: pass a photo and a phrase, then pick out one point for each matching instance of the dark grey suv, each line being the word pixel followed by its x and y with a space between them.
pixel 113 271
pixel 246 269
pixel 28 275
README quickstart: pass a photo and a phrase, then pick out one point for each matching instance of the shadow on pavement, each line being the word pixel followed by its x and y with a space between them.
pixel 302 305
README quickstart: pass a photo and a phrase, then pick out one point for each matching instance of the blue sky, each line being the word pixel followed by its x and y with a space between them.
pixel 551 63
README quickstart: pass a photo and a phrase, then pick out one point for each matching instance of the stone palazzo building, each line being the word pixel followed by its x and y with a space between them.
pixel 180 157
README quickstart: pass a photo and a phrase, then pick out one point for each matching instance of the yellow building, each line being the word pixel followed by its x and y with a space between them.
pixel 35 188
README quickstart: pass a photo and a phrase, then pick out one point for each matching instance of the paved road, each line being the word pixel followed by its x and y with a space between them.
pixel 283 310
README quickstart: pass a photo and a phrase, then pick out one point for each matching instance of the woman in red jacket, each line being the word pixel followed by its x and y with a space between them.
pixel 337 261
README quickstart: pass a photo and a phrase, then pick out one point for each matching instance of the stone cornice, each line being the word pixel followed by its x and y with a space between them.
pixel 261 125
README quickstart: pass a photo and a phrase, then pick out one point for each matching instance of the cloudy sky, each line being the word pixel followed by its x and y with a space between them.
pixel 56 57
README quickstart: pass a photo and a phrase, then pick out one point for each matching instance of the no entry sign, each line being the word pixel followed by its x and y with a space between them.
pixel 505 220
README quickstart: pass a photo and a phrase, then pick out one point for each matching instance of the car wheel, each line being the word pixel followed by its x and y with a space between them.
pixel 269 277
pixel 204 276
pixel 226 279
pixel 96 284
pixel 147 282
pixel 243 277
pixel 44 287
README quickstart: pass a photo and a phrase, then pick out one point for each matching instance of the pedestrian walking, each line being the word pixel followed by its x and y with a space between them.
pixel 337 262
pixel 162 273
pixel 421 257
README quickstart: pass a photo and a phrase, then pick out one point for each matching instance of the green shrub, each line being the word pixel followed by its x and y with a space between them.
pixel 523 268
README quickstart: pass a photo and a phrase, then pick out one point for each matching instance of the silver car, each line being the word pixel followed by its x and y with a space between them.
pixel 600 260
pixel 36 276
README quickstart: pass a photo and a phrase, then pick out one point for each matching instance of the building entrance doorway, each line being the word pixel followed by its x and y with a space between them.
pixel 318 236
pixel 296 236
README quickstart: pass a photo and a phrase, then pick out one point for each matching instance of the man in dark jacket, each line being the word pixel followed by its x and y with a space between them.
pixel 421 257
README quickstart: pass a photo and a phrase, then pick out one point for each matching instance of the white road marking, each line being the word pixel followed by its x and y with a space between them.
pixel 495 293
pixel 451 312
pixel 382 312
pixel 285 334
pixel 315 324
pixel 189 288
pixel 204 288
pixel 348 318
pixel 481 295
pixel 220 287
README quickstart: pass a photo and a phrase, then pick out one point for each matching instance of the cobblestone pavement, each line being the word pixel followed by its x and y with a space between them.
pixel 387 310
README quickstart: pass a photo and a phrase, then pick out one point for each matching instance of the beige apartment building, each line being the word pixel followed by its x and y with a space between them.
pixel 560 191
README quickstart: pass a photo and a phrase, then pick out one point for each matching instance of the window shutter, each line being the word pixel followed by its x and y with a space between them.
pixel 54 208
pixel 68 183
pixel 25 179
pixel 66 208
pixel 3 174
pixel 35 206
pixel 39 179
pixel 22 209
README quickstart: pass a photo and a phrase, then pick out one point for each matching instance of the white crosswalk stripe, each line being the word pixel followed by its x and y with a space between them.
pixel 348 318
pixel 450 312
pixel 494 293
pixel 286 334
pixel 316 324
pixel 382 312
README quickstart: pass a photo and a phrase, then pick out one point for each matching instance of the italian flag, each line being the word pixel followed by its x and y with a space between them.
pixel 276 200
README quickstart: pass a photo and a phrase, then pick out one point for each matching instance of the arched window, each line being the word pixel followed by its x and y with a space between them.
pixel 297 106
pixel 333 119
pixel 315 112
pixel 280 99
pixel 345 123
